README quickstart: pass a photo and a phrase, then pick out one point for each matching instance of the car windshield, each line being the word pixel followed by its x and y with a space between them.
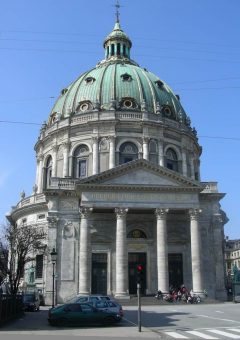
pixel 28 298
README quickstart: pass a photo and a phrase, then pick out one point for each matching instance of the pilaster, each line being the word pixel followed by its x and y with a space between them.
pixel 85 252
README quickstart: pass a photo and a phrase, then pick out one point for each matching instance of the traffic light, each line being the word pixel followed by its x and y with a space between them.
pixel 139 273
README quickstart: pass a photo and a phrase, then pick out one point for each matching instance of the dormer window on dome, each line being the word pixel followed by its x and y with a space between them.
pixel 126 77
pixel 89 80
pixel 64 91
pixel 159 83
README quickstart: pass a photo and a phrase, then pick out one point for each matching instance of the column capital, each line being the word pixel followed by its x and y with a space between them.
pixel 161 213
pixel 194 214
pixel 85 212
pixel 55 148
pixel 95 139
pixel 40 157
pixel 121 212
pixel 52 221
pixel 217 219
pixel 66 145
pixel 111 138
pixel 145 139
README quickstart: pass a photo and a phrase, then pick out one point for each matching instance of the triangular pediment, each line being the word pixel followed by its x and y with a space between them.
pixel 140 173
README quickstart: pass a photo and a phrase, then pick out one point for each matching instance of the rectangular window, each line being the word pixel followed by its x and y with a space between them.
pixel 82 171
pixel 39 266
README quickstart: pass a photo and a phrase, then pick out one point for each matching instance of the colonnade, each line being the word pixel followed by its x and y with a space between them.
pixel 121 288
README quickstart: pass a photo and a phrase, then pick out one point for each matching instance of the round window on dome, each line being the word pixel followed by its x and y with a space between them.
pixel 167 111
pixel 84 107
pixel 128 103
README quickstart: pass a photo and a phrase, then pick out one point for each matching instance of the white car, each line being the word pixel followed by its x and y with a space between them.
pixel 109 305
pixel 90 298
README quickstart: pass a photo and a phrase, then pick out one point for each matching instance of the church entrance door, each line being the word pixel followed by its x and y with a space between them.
pixel 99 273
pixel 135 259
pixel 175 266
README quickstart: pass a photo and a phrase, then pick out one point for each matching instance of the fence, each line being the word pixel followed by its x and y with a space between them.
pixel 10 307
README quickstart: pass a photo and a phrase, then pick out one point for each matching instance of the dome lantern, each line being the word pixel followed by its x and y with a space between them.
pixel 117 44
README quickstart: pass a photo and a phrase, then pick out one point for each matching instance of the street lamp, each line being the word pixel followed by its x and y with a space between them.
pixel 53 259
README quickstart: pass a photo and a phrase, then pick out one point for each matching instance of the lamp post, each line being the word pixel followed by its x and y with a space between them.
pixel 53 259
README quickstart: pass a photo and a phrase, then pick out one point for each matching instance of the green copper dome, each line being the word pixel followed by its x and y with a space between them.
pixel 118 83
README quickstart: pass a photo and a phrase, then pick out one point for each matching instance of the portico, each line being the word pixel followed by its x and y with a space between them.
pixel 125 201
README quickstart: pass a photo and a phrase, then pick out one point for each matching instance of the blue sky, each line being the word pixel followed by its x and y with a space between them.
pixel 193 45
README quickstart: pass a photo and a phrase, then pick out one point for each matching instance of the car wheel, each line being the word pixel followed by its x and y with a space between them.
pixel 52 322
pixel 62 322
pixel 109 320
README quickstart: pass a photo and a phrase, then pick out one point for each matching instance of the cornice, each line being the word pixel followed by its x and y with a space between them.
pixel 140 163
pixel 211 196
pixel 136 188
pixel 28 209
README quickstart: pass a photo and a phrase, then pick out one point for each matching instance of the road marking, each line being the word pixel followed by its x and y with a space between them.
pixel 210 317
pixel 130 321
pixel 219 311
pixel 201 335
pixel 176 335
pixel 226 334
pixel 234 329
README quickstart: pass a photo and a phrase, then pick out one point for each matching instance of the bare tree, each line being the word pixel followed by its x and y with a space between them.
pixel 19 244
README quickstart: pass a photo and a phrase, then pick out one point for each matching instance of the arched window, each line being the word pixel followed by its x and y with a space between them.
pixel 171 160
pixel 136 233
pixel 80 164
pixel 48 172
pixel 128 153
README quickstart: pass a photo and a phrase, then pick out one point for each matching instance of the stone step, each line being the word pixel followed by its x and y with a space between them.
pixel 151 300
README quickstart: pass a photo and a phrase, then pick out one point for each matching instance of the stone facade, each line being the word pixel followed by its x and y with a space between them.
pixel 118 184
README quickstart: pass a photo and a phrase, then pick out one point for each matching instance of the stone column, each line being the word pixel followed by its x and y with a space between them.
pixel 40 173
pixel 111 152
pixel 85 252
pixel 160 153
pixel 146 148
pixel 65 159
pixel 54 160
pixel 184 163
pixel 197 278
pixel 95 155
pixel 121 254
pixel 162 250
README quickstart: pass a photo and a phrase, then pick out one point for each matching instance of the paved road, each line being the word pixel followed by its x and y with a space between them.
pixel 213 321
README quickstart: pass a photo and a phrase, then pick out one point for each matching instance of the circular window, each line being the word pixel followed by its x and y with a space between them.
pixel 167 111
pixel 128 103
pixel 84 107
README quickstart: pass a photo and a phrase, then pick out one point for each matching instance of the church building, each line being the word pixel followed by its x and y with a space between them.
pixel 118 184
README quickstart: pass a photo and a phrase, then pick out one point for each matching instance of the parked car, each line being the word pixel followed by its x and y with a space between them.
pixel 81 313
pixel 31 302
pixel 93 298
pixel 109 305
